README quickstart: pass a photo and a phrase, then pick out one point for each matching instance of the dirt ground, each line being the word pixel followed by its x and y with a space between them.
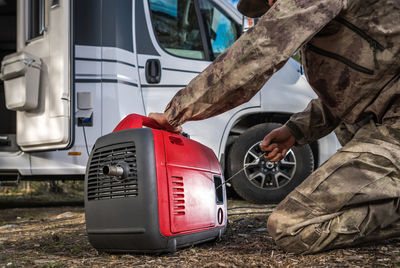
pixel 55 237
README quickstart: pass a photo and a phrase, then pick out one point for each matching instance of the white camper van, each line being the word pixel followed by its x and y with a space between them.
pixel 71 70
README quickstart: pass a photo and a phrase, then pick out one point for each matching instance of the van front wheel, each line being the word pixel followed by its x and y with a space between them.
pixel 262 181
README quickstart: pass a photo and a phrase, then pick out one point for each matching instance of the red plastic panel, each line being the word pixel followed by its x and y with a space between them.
pixel 192 199
pixel 184 152
pixel 191 185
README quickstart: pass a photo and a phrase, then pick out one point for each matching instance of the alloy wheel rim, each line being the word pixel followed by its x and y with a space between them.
pixel 268 175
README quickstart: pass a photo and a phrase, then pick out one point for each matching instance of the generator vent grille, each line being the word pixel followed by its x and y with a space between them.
pixel 100 186
pixel 178 192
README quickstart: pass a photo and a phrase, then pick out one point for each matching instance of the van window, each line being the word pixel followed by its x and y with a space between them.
pixel 177 28
pixel 222 30
pixel 35 24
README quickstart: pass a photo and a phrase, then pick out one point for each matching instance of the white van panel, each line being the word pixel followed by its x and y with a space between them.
pixel 327 146
pixel 89 52
pixel 87 69
pixel 116 70
pixel 115 53
pixel 119 100
pixel 57 163
pixel 284 85
pixel 15 161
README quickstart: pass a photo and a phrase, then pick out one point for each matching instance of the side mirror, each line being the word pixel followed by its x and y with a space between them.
pixel 247 23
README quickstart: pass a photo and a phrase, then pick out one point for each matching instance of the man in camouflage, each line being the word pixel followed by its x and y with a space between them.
pixel 351 55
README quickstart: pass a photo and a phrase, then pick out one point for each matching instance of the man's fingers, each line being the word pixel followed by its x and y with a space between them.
pixel 163 122
pixel 267 140
pixel 272 154
pixel 158 117
pixel 154 116
pixel 178 129
pixel 265 143
pixel 284 152
pixel 276 158
pixel 268 150
pixel 170 128
pixel 271 147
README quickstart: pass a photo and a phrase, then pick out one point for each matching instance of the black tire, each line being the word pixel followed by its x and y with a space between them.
pixel 266 191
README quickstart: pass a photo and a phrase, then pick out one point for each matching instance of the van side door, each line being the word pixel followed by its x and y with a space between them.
pixel 44 117
pixel 170 48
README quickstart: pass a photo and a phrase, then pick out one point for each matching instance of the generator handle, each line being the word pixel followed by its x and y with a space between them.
pixel 137 121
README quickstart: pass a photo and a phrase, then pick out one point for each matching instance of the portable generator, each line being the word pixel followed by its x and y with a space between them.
pixel 149 190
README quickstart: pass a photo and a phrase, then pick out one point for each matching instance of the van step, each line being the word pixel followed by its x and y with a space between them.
pixel 4 141
pixel 8 143
pixel 9 183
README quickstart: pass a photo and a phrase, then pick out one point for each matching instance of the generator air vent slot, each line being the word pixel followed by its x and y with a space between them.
pixel 100 186
pixel 219 192
pixel 178 192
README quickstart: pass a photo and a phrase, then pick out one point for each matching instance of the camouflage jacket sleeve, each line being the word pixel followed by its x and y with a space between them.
pixel 240 72
pixel 315 122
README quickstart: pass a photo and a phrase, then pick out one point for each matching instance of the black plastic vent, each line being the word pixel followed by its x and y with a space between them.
pixel 178 192
pixel 219 192
pixel 100 186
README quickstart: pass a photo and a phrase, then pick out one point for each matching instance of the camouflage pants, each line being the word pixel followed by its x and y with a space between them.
pixel 352 198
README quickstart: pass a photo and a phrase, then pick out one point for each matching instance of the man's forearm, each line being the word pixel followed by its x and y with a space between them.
pixel 241 71
pixel 315 122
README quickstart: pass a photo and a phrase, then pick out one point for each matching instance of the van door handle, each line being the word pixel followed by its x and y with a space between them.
pixel 153 71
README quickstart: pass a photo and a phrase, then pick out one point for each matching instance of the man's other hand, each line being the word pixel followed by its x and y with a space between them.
pixel 163 122
pixel 277 143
